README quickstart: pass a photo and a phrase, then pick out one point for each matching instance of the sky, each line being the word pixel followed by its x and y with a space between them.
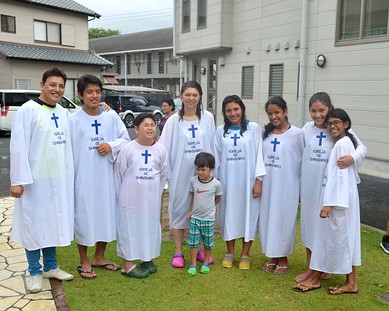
pixel 131 15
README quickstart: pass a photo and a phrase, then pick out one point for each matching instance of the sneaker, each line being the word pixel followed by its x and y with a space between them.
pixel 35 283
pixel 149 265
pixel 385 243
pixel 58 274
pixel 227 261
pixel 245 263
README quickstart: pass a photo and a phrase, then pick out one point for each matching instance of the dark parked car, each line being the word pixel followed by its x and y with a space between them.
pixel 128 106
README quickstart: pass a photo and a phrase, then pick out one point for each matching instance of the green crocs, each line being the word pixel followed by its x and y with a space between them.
pixel 204 268
pixel 137 273
pixel 149 265
pixel 192 271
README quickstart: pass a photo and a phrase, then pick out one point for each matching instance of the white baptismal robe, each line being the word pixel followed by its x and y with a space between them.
pixel 280 192
pixel 239 161
pixel 318 146
pixel 141 173
pixel 183 140
pixel 95 189
pixel 337 244
pixel 42 162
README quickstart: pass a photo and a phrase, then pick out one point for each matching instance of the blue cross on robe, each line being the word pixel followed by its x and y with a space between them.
pixel 193 129
pixel 55 118
pixel 321 136
pixel 146 154
pixel 96 125
pixel 275 143
pixel 235 138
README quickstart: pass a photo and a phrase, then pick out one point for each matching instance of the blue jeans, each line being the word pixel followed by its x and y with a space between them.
pixel 49 260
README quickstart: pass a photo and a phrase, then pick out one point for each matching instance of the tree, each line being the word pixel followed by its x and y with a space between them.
pixel 101 32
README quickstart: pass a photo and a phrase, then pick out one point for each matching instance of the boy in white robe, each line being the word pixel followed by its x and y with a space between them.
pixel 42 179
pixel 97 137
pixel 141 174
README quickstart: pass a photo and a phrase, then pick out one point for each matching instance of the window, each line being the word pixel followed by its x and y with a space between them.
pixel 8 23
pixel 47 32
pixel 201 14
pixel 212 74
pixel 128 68
pixel 185 15
pixel 23 84
pixel 276 80
pixel 161 63
pixel 247 81
pixel 149 63
pixel 362 20
pixel 118 64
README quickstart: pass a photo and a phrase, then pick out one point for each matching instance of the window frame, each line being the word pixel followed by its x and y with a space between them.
pixel 362 21
pixel 5 23
pixel 201 14
pixel 185 27
pixel 149 63
pixel 118 64
pixel 161 62
pixel 244 82
pixel 47 34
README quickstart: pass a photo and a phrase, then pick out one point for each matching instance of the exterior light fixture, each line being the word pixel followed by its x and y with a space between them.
pixel 321 60
pixel 203 70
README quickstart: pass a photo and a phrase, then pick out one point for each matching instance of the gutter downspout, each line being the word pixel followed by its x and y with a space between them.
pixel 303 63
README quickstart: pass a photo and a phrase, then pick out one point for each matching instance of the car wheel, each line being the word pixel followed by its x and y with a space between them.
pixel 129 121
pixel 158 118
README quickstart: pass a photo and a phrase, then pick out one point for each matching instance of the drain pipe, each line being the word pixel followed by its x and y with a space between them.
pixel 303 63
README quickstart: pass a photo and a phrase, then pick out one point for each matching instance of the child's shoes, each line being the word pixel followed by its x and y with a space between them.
pixel 204 268
pixel 245 263
pixel 192 271
pixel 178 261
pixel 227 261
pixel 200 257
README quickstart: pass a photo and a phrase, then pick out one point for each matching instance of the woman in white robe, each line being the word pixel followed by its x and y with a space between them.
pixel 184 135
pixel 336 246
pixel 240 167
pixel 283 146
pixel 318 146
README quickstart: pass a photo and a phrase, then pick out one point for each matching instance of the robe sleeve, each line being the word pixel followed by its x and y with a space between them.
pixel 336 191
pixel 20 170
pixel 164 168
pixel 167 138
pixel 217 151
pixel 260 170
pixel 122 138
pixel 360 153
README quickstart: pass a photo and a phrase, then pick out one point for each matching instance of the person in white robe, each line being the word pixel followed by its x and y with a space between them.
pixel 283 146
pixel 42 179
pixel 318 146
pixel 240 167
pixel 336 245
pixel 184 135
pixel 97 137
pixel 141 172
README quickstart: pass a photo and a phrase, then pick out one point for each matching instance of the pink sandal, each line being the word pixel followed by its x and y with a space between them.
pixel 178 261
pixel 200 257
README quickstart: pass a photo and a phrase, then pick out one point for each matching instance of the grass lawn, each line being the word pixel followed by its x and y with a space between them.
pixel 225 289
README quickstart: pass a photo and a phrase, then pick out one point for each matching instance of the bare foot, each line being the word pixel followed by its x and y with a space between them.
pixel 343 289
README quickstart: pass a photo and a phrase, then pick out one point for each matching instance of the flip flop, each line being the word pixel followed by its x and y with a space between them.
pixel 281 269
pixel 303 288
pixel 340 291
pixel 268 267
pixel 81 270
pixel 115 266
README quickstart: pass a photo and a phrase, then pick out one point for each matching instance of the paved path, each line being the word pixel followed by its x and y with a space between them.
pixel 13 265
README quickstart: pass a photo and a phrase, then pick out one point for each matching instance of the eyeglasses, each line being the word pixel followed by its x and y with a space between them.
pixel 334 123
pixel 145 125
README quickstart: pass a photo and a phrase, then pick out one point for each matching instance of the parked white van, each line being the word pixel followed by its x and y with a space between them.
pixel 11 100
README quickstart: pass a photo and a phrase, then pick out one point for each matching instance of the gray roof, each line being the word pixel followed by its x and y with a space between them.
pixel 66 5
pixel 145 40
pixel 32 52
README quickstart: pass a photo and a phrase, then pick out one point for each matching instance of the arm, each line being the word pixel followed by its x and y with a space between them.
pixel 217 199
pixel 191 207
pixel 257 188
pixel 357 157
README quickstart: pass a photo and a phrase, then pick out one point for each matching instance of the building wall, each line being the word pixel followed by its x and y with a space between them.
pixel 74 26
pixel 356 76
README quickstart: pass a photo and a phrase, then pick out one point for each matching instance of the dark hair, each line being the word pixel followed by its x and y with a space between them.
pixel 322 97
pixel 86 80
pixel 170 102
pixel 227 123
pixel 54 72
pixel 195 85
pixel 204 159
pixel 144 115
pixel 342 115
pixel 281 103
